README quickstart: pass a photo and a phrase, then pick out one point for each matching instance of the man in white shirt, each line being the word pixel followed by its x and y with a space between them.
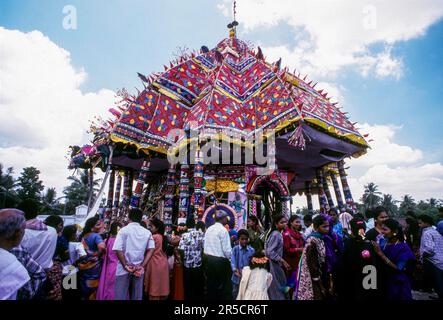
pixel 134 246
pixel 13 274
pixel 40 240
pixel 217 250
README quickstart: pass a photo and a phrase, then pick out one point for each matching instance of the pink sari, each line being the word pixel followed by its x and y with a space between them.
pixel 106 285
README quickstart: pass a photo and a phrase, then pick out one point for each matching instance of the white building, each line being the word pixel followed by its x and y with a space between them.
pixel 81 212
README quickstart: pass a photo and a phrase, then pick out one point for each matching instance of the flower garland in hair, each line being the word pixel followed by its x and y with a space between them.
pixel 262 260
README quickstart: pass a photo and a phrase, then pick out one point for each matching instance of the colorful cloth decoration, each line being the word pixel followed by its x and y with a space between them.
pixel 238 201
pixel 344 182
pixel 115 207
pixel 135 200
pixel 198 185
pixel 169 198
pixel 321 193
pixel 184 191
pixel 308 193
pixel 209 215
pixel 110 200
pixel 327 191
pixel 221 185
pixel 337 191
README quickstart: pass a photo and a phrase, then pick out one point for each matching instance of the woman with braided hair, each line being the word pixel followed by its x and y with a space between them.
pixel 274 252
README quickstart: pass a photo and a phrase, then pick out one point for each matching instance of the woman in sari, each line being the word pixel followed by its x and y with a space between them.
pixel 334 266
pixel 60 256
pixel 399 261
pixel 106 286
pixel 293 244
pixel 90 266
pixel 255 233
pixel 177 276
pixel 157 270
pixel 413 237
pixel 313 280
pixel 358 254
pixel 274 251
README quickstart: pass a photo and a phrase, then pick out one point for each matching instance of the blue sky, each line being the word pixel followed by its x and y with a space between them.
pixel 413 101
pixel 115 39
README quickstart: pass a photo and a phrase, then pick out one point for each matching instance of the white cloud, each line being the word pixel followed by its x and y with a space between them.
pixel 334 91
pixel 388 66
pixel 396 169
pixel 43 110
pixel 383 148
pixel 338 34
pixel 420 181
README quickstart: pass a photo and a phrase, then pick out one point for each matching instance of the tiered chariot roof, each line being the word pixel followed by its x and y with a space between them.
pixel 232 88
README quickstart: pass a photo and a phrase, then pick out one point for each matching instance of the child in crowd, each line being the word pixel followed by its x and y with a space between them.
pixel 76 249
pixel 76 252
pixel 255 279
pixel 240 257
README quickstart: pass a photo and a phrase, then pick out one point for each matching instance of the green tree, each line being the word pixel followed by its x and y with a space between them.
pixel 428 207
pixel 51 204
pixel 302 211
pixel 371 196
pixel 8 196
pixel 432 202
pixel 390 204
pixel 77 192
pixel 407 203
pixel 29 185
pixel 7 180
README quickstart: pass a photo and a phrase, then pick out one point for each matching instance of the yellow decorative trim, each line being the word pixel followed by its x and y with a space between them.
pixel 215 136
pixel 221 185
pixel 221 90
pixel 333 131
pixel 168 93
pixel 156 149
pixel 280 127
pixel 200 64
pixel 139 147
pixel 116 139
pixel 291 79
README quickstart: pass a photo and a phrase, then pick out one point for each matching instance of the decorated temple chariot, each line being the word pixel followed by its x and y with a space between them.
pixel 221 129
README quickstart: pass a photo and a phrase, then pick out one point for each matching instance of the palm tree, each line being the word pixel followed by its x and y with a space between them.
pixel 78 192
pixel 389 203
pixel 8 184
pixel 432 202
pixel 7 180
pixel 371 197
pixel 51 204
pixel 407 203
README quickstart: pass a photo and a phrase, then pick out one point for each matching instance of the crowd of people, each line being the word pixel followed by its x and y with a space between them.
pixel 333 256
